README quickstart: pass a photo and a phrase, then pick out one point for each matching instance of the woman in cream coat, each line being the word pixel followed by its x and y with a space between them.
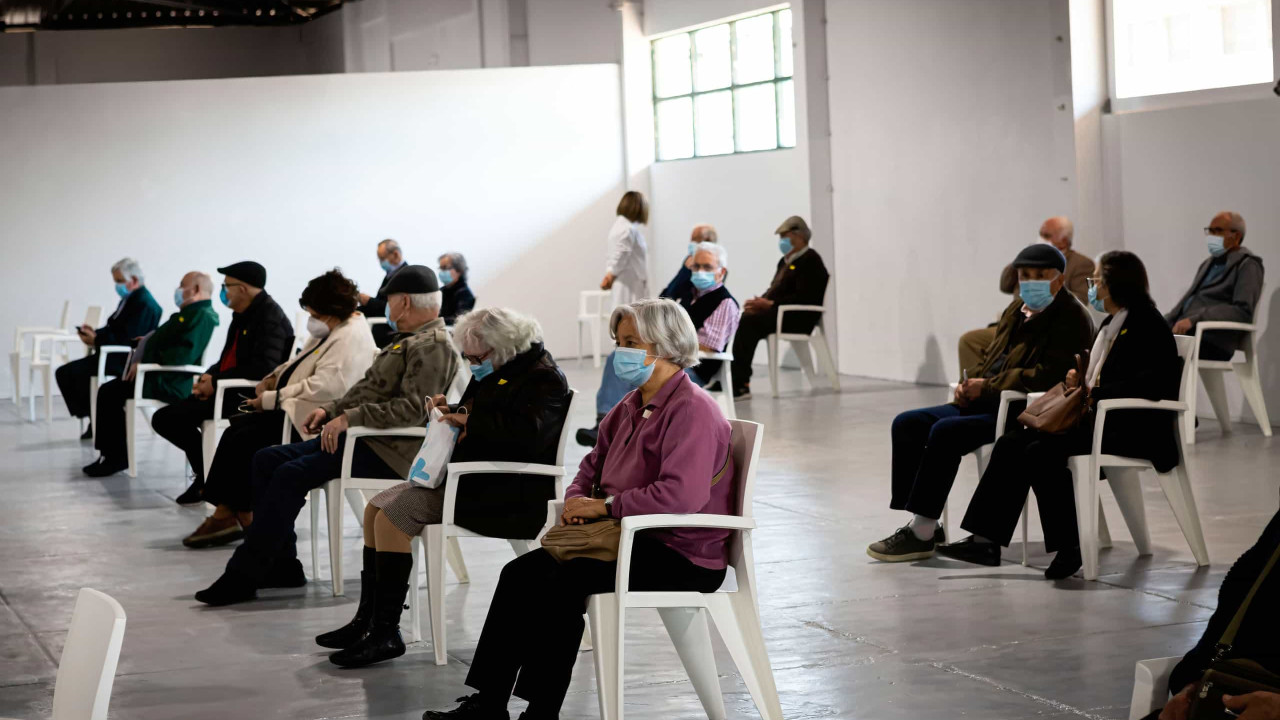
pixel 340 350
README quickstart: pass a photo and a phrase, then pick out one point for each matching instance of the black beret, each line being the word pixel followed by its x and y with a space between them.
pixel 1041 255
pixel 414 280
pixel 248 272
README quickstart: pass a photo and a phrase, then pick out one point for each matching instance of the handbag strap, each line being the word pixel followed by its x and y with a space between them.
pixel 1229 637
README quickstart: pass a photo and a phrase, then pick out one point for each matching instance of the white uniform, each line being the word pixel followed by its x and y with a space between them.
pixel 628 262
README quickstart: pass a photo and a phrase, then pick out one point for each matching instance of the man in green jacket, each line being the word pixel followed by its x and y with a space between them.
pixel 179 341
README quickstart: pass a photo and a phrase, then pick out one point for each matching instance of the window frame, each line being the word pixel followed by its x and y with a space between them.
pixel 1186 98
pixel 776 81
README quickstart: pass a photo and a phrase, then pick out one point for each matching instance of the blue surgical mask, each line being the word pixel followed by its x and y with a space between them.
pixel 1216 246
pixel 386 311
pixel 1094 301
pixel 703 279
pixel 446 276
pixel 122 290
pixel 177 297
pixel 1036 294
pixel 628 365
pixel 483 370
pixel 784 245
pixel 223 296
pixel 693 248
pixel 386 265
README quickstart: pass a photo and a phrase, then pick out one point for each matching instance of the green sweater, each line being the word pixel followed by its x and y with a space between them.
pixel 179 341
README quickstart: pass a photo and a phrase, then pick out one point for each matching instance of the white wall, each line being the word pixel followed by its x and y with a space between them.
pixel 569 32
pixel 1180 167
pixel 947 155
pixel 520 168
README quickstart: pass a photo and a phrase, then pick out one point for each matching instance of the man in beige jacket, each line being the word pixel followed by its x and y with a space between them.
pixel 419 362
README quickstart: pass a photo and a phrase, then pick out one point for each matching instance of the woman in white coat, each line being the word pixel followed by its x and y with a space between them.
pixel 340 350
pixel 627 274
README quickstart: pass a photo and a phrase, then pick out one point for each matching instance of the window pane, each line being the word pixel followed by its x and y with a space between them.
pixel 675 128
pixel 787 113
pixel 756 113
pixel 1165 46
pixel 785 68
pixel 671 68
pixel 713 58
pixel 714 129
pixel 753 58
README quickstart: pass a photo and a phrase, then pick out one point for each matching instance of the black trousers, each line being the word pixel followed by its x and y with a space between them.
pixel 531 635
pixel 109 435
pixel 927 447
pixel 754 327
pixel 282 477
pixel 73 380
pixel 230 480
pixel 1030 460
pixel 180 422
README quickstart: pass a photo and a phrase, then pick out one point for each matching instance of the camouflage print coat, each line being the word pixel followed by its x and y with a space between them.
pixel 408 371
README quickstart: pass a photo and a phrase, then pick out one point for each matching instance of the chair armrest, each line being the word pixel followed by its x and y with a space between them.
pixel 408 431
pixel 21 332
pixel 1150 686
pixel 784 309
pixel 634 523
pixel 144 368
pixel 221 387
pixel 1225 325
pixel 457 469
pixel 376 320
pixel 1140 404
pixel 103 352
pixel 1007 397
pixel 53 339
pixel 1032 397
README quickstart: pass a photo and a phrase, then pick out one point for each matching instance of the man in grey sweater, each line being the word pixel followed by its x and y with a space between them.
pixel 1226 287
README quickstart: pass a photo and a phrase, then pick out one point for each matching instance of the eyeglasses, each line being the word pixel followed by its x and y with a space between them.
pixel 1215 230
pixel 476 359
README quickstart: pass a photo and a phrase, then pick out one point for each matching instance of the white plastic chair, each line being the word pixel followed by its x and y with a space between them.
pixel 443 538
pixel 58 353
pixel 1122 474
pixel 375 320
pixel 300 332
pixel 800 343
pixel 212 428
pixel 138 403
pixel 736 613
pixel 87 669
pixel 1151 686
pixel 101 379
pixel 1211 372
pixel 724 376
pixel 594 308
pixel 20 352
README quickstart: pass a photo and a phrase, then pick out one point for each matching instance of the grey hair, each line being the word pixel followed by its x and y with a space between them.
pixel 389 245
pixel 505 332
pixel 708 233
pixel 663 324
pixel 457 262
pixel 128 268
pixel 426 301
pixel 722 254
pixel 1236 222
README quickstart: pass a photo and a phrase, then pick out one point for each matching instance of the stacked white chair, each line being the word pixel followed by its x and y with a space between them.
pixel 594 308
pixel 1211 374
pixel 800 344
pixel 87 669
pixel 58 353
pixel 20 352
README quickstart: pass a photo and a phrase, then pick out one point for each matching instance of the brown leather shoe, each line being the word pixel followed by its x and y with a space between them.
pixel 214 532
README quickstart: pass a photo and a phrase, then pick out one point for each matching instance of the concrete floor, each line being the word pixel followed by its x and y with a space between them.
pixel 848 637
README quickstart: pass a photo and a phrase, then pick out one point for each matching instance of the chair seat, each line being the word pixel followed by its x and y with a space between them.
pixel 673 598
pixel 793 336
pixel 1106 461
pixel 726 356
pixel 1217 364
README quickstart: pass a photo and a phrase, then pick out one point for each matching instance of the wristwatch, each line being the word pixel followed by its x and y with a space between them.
pixel 608 506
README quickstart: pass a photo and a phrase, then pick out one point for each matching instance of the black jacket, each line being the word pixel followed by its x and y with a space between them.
pixel 261 338
pixel 1143 363
pixel 377 307
pixel 1259 636
pixel 137 315
pixel 681 287
pixel 516 415
pixel 455 300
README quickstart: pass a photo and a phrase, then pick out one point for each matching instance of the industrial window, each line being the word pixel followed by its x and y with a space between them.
pixel 1169 46
pixel 725 88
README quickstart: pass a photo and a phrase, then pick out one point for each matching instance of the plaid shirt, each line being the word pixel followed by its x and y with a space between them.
pixel 721 325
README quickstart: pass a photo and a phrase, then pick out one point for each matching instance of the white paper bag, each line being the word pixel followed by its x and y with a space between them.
pixel 433 457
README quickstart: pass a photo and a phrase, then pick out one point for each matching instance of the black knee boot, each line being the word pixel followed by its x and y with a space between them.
pixel 383 641
pixel 350 634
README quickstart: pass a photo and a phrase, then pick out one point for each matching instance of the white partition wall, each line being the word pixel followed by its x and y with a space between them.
pixel 520 169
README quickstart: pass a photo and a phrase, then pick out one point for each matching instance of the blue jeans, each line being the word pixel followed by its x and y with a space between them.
pixel 927 446
pixel 612 389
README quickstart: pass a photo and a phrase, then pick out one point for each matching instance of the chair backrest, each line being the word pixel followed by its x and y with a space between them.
pixel 745 440
pixel 66 314
pixel 1186 344
pixel 564 429
pixel 595 302
pixel 91 316
pixel 87 669
pixel 300 332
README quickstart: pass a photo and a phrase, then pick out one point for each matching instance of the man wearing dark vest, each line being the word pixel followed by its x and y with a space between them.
pixel 392 261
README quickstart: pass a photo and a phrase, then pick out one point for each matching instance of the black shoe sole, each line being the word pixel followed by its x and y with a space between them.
pixel 216 541
pixel 908 557
pixel 986 561
pixel 364 662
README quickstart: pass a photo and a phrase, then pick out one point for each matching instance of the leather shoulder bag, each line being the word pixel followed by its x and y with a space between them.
pixel 1061 408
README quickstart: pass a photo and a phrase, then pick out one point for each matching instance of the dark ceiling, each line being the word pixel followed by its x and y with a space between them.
pixel 20 15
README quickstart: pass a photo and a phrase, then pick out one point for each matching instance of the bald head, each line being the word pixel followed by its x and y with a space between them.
pixel 1230 227
pixel 1058 231
pixel 703 233
pixel 196 286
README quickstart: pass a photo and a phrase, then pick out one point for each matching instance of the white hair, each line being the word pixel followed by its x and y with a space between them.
pixel 128 268
pixel 721 253
pixel 426 301
pixel 505 332
pixel 663 324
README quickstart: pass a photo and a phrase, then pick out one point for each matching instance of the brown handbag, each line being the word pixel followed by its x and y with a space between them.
pixel 1061 408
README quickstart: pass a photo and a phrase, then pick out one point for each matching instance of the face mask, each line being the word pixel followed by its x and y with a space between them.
pixel 386 311
pixel 693 248
pixel 1094 301
pixel 177 297
pixel 784 244
pixel 1035 293
pixel 446 276
pixel 703 279
pixel 386 265
pixel 223 296
pixel 122 290
pixel 628 365
pixel 317 328
pixel 483 370
pixel 1216 246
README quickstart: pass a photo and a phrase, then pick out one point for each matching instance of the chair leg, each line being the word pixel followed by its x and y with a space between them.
pixel 31 393
pixel 46 372
pixel 1104 530
pixel 1188 418
pixel 453 553
pixel 1252 388
pixel 93 406
pixel 726 390
pixel 691 634
pixel 823 351
pixel 606 624
pixel 1215 386
pixel 772 343
pixel 435 590
pixel 415 592
pixel 1026 517
pixel 595 343
pixel 739 626
pixel 15 371
pixel 130 436
pixel 333 504
pixel 804 356
pixel 1177 490
pixel 208 443
pixel 314 500
pixel 1127 487
pixel 946 523
pixel 1086 490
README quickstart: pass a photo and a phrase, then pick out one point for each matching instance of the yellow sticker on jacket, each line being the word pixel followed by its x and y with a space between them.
pixel 181 319
pixel 244 332
pixel 1125 330
pixel 397 347
pixel 793 267
pixel 502 381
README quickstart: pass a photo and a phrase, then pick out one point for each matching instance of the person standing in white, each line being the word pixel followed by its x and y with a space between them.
pixel 627 274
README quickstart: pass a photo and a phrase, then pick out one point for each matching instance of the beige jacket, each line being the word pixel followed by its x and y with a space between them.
pixel 325 371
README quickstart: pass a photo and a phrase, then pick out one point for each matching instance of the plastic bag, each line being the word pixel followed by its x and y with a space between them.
pixel 433 457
